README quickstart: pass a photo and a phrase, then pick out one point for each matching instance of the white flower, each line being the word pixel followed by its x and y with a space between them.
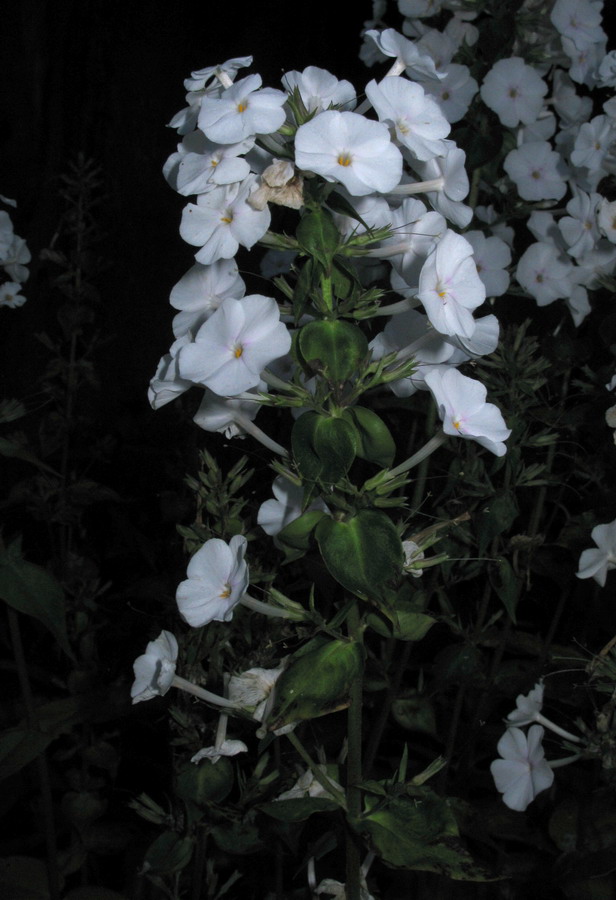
pixel 607 219
pixel 596 563
pixel 226 748
pixel 217 580
pixel 464 412
pixel 308 786
pixel 409 56
pixel 537 170
pixel 450 183
pixel 492 256
pixel 527 706
pixel 200 292
pixel 274 515
pixel 201 165
pixel 578 20
pixel 319 89
pixel 593 143
pixel 15 259
pixel 155 670
pixel 544 273
pixel 242 111
pixel 167 384
pixel 222 219
pixel 454 92
pixel 412 554
pixel 417 119
pixel 514 91
pixel 224 414
pixel 449 286
pixel 579 228
pixel 235 344
pixel 10 296
pixel 523 772
pixel 347 148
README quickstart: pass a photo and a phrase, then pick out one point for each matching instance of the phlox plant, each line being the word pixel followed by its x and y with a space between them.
pixel 411 444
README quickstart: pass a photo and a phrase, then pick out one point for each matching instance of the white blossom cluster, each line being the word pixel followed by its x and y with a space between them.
pixel 14 257
pixel 563 150
pixel 243 151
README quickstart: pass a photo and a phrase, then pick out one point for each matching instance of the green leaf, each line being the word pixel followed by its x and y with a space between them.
pixel 376 443
pixel 323 447
pixel 31 590
pixel 298 810
pixel 506 585
pixel 404 622
pixel 308 275
pixel 316 683
pixel 296 537
pixel 415 712
pixel 333 347
pixel 497 516
pixel 168 854
pixel 419 832
pixel 318 236
pixel 205 783
pixel 362 553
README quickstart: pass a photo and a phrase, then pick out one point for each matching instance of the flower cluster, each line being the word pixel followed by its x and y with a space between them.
pixel 562 150
pixel 14 257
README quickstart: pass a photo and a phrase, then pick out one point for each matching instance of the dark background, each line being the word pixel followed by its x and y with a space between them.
pixel 103 78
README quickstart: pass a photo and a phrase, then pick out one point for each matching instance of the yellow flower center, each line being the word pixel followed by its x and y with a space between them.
pixel 228 218
pixel 226 593
pixel 242 106
pixel 238 351
pixel 345 159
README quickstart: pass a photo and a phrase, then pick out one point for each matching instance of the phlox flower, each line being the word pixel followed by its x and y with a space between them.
pixel 492 256
pixel 523 771
pixel 200 292
pixel 345 147
pixel 274 515
pixel 449 286
pixel 597 562
pixel 454 92
pixel 10 296
pixel 607 219
pixel 579 21
pixel 222 219
pixel 464 412
pixel 201 165
pixel 409 58
pixel 593 143
pixel 580 229
pixel 167 383
pixel 544 273
pixel 308 786
pixel 607 70
pixel 225 414
pixel 15 259
pixel 200 79
pixel 446 183
pixel 483 342
pixel 416 118
pixel 155 669
pixel 415 231
pixel 217 580
pixel 242 111
pixel 235 344
pixel 537 170
pixel 319 89
pixel 527 706
pixel 514 91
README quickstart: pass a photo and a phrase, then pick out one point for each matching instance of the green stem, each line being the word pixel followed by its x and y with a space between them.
pixel 318 773
pixel 53 875
pixel 354 766
pixel 433 444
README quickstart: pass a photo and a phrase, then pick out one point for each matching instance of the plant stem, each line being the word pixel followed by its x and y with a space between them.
pixel 316 770
pixel 354 766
